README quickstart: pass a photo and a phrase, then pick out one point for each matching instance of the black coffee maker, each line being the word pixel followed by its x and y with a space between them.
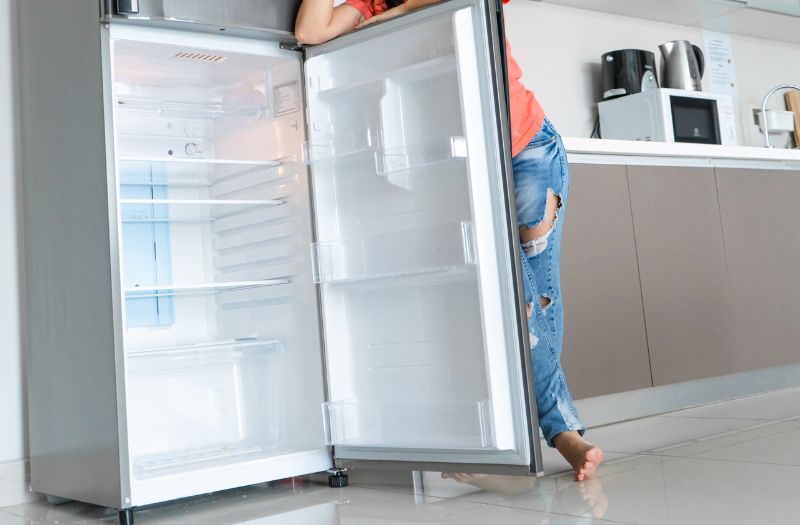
pixel 628 71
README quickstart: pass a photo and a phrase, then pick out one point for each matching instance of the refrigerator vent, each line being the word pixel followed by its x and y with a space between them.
pixel 201 57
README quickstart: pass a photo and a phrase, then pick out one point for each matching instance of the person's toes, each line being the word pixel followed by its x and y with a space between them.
pixel 591 460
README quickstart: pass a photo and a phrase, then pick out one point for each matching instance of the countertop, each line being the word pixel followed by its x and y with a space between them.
pixel 597 151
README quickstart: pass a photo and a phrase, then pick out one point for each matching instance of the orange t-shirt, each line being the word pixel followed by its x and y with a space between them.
pixel 527 115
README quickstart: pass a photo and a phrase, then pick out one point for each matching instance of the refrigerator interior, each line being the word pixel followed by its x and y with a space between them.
pixel 222 331
pixel 396 255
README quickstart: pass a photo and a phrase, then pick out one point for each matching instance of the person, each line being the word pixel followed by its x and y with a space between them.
pixel 541 180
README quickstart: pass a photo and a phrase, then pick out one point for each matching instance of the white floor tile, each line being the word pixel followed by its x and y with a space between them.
pixel 777 449
pixel 494 515
pixel 10 519
pixel 680 491
pixel 650 434
pixel 782 404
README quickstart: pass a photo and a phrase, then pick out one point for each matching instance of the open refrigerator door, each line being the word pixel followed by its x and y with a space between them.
pixel 415 257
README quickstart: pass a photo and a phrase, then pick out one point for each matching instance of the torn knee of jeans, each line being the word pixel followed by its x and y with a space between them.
pixel 535 239
pixel 546 301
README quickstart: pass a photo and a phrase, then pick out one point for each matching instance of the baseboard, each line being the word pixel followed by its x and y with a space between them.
pixel 14 484
pixel 614 408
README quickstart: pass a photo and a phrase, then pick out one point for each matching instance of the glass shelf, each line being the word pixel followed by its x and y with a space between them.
pixel 141 292
pixel 189 210
pixel 250 343
pixel 429 425
pixel 188 172
pixel 178 109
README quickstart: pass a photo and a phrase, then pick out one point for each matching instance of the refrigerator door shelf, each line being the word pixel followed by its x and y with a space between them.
pixel 323 86
pixel 405 165
pixel 394 254
pixel 446 425
pixel 328 145
pixel 177 210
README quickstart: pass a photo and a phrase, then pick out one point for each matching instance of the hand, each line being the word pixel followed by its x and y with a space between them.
pixel 386 15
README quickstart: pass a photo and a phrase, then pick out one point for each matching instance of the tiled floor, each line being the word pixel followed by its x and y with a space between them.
pixel 732 463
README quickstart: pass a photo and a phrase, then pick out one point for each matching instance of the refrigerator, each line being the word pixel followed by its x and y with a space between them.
pixel 247 259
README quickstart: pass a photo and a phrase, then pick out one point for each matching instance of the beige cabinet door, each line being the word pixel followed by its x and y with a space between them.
pixel 761 224
pixel 685 284
pixel 605 347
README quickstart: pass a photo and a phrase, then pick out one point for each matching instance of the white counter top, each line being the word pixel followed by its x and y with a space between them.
pixel 596 151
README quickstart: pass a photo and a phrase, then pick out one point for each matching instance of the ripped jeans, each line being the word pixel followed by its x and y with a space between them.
pixel 541 168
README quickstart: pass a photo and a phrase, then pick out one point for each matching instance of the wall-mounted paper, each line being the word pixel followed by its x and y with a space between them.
pixel 720 66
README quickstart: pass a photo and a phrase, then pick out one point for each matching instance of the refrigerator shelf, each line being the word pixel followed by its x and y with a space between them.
pixel 252 343
pixel 418 425
pixel 144 171
pixel 141 292
pixel 188 210
pixel 433 249
pixel 193 110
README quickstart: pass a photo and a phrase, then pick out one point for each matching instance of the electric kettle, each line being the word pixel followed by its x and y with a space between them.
pixel 682 65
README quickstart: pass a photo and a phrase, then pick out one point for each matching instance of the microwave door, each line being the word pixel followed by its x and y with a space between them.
pixel 424 323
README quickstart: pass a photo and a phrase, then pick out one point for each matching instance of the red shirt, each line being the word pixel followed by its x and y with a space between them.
pixel 527 115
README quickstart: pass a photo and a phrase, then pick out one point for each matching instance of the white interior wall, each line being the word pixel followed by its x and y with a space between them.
pixel 559 50
pixel 12 425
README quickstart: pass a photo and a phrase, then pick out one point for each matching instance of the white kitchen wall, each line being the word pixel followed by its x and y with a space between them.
pixel 12 434
pixel 559 50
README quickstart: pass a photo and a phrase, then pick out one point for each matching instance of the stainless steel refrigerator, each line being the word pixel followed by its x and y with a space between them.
pixel 247 260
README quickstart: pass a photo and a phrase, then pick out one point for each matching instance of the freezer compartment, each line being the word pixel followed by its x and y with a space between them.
pixel 196 407
pixel 409 425
pixel 395 253
pixel 175 101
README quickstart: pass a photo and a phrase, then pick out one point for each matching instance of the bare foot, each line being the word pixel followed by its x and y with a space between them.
pixel 582 455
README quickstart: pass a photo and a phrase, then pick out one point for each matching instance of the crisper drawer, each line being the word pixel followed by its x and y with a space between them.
pixel 192 407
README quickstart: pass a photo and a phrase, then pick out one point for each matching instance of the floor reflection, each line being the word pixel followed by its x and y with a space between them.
pixel 585 498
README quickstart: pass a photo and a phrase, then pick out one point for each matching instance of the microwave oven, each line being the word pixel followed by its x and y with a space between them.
pixel 670 115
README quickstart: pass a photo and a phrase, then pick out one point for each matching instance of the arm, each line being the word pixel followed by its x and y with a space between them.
pixel 408 6
pixel 318 21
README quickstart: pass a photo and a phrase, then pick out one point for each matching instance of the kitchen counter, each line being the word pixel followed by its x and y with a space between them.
pixel 597 151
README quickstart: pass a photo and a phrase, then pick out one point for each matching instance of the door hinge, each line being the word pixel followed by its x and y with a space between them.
pixel 290 45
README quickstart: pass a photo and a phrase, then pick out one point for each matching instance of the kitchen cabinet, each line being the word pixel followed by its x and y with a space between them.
pixel 761 225
pixel 685 285
pixel 605 346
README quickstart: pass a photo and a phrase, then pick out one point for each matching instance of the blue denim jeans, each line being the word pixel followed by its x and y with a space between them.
pixel 540 167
